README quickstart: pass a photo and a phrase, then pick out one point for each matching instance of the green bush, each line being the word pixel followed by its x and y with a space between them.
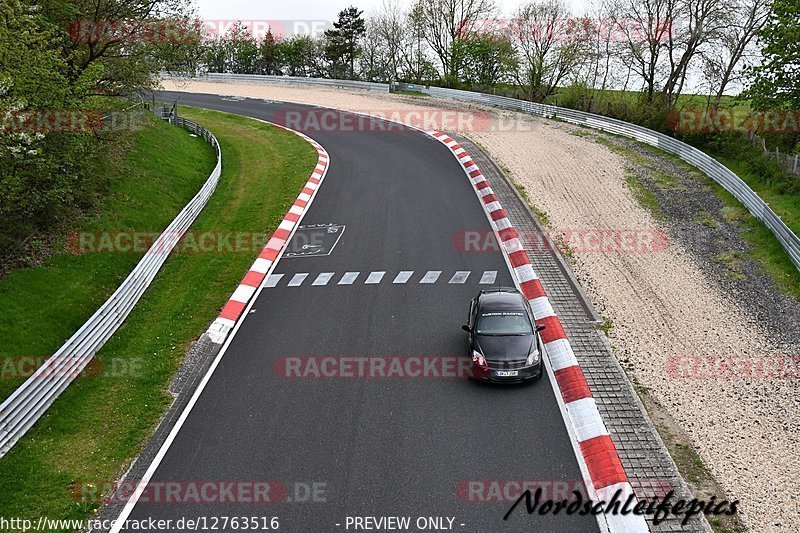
pixel 738 147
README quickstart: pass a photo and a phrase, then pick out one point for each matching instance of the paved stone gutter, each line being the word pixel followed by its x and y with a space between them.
pixel 647 462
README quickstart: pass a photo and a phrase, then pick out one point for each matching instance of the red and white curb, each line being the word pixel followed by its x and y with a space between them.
pixel 605 470
pixel 268 258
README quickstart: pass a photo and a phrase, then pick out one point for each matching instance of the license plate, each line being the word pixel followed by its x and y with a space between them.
pixel 507 373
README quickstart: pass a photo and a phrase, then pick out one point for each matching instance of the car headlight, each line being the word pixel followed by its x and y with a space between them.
pixel 478 358
pixel 533 358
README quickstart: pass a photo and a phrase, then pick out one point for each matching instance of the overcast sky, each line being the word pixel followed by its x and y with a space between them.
pixel 314 9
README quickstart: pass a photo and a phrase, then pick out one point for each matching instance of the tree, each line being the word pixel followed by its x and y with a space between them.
pixel 216 55
pixel 445 23
pixel 389 29
pixel 342 43
pixel 722 63
pixel 551 46
pixel 646 27
pixel 268 54
pixel 374 62
pixel 696 23
pixel 776 82
pixel 416 66
pixel 243 49
pixel 126 40
pixel 487 59
pixel 237 51
pixel 300 55
pixel 45 173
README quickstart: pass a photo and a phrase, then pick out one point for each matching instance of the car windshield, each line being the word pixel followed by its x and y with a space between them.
pixel 503 323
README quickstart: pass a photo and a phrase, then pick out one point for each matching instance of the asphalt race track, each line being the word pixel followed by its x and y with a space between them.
pixel 373 446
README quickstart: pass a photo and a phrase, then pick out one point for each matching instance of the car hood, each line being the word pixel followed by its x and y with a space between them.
pixel 504 348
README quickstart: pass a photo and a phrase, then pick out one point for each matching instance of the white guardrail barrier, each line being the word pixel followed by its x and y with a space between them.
pixel 26 404
pixel 710 166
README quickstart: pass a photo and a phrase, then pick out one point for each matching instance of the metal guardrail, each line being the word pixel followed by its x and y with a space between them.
pixel 707 164
pixel 710 166
pixel 348 84
pixel 26 405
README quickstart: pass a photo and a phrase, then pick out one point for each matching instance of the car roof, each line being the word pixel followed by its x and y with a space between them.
pixel 501 300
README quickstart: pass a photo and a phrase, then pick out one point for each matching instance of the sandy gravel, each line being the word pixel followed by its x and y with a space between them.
pixel 662 304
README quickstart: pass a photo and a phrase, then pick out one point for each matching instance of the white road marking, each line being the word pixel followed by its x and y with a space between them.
pixel 121 519
pixel 298 279
pixel 243 293
pixel 348 278
pixel 460 277
pixel 488 277
pixel 403 276
pixel 431 276
pixel 323 278
pixel 374 277
pixel 273 280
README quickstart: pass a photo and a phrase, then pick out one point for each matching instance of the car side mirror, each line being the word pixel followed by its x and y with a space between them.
pixel 540 327
pixel 466 328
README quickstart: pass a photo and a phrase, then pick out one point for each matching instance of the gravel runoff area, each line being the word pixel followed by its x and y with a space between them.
pixel 673 309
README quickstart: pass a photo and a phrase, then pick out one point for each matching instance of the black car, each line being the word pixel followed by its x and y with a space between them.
pixel 505 344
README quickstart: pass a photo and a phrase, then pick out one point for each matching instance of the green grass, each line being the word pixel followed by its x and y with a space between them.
pixel 733 262
pixel 704 218
pixel 605 326
pixel 785 205
pixel 637 97
pixel 98 425
pixel 412 93
pixel 541 216
pixel 645 196
pixel 164 169
pixel 765 249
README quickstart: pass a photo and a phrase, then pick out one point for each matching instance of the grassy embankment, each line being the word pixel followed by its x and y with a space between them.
pixel 98 425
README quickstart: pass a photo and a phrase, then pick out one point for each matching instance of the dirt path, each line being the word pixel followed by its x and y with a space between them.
pixel 662 308
pixel 661 303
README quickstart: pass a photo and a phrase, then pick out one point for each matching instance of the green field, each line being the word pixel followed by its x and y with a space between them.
pixel 98 425
pixel 766 249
